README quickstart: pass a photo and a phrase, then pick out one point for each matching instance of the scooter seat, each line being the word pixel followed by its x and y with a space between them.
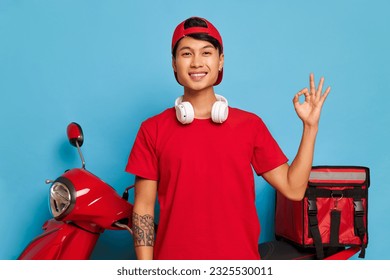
pixel 283 250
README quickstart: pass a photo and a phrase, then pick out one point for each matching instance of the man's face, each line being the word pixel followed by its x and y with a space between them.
pixel 197 63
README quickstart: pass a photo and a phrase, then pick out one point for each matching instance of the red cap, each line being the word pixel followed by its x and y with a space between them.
pixel 210 30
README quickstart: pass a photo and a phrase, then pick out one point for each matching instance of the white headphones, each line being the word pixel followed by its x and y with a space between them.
pixel 185 112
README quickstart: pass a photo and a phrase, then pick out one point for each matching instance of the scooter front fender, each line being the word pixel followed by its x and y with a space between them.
pixel 61 241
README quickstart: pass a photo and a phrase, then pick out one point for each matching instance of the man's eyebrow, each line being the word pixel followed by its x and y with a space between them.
pixel 184 48
pixel 189 48
pixel 208 46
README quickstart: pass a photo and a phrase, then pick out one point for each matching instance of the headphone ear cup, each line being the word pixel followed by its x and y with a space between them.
pixel 219 112
pixel 184 112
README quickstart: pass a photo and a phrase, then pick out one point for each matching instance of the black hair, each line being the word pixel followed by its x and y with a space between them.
pixel 198 22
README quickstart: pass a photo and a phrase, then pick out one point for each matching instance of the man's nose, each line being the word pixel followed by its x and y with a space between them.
pixel 197 61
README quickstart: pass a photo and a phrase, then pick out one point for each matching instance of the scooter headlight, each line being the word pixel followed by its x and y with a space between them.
pixel 60 199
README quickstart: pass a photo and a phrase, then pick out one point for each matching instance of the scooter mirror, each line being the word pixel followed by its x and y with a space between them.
pixel 75 134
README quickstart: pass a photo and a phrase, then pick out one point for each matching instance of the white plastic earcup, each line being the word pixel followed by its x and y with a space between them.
pixel 220 110
pixel 185 112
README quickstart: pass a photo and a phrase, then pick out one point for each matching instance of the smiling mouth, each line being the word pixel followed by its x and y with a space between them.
pixel 197 76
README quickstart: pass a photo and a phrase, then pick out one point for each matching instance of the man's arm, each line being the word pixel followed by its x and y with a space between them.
pixel 143 217
pixel 291 180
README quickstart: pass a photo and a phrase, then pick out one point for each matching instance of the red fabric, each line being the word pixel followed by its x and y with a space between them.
pixel 205 182
pixel 292 217
pixel 292 220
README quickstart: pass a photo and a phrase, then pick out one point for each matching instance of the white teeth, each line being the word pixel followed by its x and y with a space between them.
pixel 198 74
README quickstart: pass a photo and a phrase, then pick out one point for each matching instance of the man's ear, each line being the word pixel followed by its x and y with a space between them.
pixel 174 64
pixel 221 61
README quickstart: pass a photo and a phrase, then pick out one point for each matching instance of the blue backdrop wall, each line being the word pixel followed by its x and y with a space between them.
pixel 107 66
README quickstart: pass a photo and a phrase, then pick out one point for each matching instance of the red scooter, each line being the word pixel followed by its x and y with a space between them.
pixel 83 206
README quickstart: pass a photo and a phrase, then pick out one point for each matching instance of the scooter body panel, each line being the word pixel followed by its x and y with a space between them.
pixel 61 241
pixel 96 202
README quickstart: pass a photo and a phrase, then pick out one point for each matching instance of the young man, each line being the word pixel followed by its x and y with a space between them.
pixel 199 157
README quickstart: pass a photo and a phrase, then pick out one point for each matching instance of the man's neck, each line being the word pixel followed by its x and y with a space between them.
pixel 202 101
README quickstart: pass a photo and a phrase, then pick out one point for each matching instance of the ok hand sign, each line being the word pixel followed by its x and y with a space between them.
pixel 309 111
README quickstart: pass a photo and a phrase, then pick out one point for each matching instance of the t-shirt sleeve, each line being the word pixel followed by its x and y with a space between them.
pixel 267 154
pixel 142 160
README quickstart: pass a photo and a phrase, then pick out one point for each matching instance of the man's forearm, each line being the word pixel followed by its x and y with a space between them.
pixel 143 217
pixel 299 170
pixel 143 235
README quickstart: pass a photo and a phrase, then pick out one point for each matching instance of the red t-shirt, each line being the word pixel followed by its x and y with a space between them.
pixel 205 182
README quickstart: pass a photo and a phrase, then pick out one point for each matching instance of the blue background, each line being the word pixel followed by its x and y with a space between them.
pixel 107 66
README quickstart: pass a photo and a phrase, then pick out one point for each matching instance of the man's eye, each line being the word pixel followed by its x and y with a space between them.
pixel 207 53
pixel 186 54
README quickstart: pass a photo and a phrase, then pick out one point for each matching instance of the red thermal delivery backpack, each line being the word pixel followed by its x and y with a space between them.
pixel 333 213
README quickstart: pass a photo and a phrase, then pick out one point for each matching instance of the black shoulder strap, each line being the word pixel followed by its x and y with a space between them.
pixel 360 230
pixel 313 225
pixel 334 243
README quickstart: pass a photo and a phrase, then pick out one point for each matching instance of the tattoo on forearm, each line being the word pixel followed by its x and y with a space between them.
pixel 143 230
